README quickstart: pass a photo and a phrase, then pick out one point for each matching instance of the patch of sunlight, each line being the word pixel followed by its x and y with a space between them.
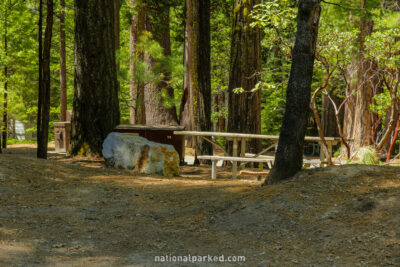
pixel 10 249
pixel 99 261
pixel 389 184
pixel 171 182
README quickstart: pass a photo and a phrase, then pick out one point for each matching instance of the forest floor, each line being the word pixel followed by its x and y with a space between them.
pixel 75 212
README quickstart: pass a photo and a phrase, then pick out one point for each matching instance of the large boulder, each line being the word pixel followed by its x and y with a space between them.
pixel 139 154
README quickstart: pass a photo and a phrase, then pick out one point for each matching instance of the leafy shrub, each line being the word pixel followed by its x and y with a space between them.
pixel 367 155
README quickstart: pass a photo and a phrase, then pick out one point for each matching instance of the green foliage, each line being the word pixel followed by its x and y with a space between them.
pixel 11 141
pixel 221 24
pixel 21 58
pixel 338 45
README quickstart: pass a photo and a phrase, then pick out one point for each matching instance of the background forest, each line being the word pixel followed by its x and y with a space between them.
pixel 356 73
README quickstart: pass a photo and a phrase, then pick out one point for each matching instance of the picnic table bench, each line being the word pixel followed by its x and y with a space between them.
pixel 234 160
pixel 245 157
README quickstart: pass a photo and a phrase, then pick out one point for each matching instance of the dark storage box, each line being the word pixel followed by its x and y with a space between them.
pixel 160 134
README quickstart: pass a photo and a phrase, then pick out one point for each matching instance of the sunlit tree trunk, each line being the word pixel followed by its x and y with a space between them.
pixel 63 68
pixel 358 122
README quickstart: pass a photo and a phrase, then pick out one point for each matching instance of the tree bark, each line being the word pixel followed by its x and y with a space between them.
pixel 63 67
pixel 358 123
pixel 328 118
pixel 198 67
pixel 289 157
pixel 5 102
pixel 117 5
pixel 133 37
pixel 40 81
pixel 140 95
pixel 157 23
pixel 96 104
pixel 43 130
pixel 244 110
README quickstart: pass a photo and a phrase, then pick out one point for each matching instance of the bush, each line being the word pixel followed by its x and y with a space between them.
pixel 11 141
pixel 367 155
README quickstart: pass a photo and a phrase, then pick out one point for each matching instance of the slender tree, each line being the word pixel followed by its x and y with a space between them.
pixel 5 103
pixel 40 82
pixel 140 111
pixel 117 7
pixel 197 114
pixel 63 67
pixel 132 51
pixel 289 157
pixel 244 109
pixel 96 106
pixel 44 90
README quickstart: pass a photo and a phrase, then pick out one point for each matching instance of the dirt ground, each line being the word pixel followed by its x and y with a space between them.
pixel 75 212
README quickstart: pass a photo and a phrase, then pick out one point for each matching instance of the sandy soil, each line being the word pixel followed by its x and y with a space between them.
pixel 75 212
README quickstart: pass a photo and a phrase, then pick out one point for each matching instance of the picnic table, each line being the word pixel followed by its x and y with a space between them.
pixel 242 139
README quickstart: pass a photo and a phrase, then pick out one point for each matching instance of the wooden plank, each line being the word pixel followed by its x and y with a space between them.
pixel 150 127
pixel 252 173
pixel 248 136
pixel 235 158
pixel 249 155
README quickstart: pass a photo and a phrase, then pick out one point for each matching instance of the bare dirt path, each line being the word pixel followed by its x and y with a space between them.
pixel 74 212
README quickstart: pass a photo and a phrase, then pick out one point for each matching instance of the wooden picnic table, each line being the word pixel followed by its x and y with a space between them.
pixel 242 138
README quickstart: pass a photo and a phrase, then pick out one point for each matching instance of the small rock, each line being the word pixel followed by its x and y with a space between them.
pixel 60 245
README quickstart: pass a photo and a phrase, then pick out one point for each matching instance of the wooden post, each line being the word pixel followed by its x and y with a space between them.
pixel 322 155
pixel 213 170
pixel 234 165
pixel 243 147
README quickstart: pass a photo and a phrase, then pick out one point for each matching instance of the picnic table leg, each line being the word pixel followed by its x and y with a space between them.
pixel 235 151
pixel 213 170
pixel 322 155
pixel 243 147
pixel 330 148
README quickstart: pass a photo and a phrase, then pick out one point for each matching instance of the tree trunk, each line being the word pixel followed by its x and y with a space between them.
pixel 63 67
pixel 289 157
pixel 40 78
pixel 244 109
pixel 358 123
pixel 5 115
pixel 198 70
pixel 96 104
pixel 328 118
pixel 140 95
pixel 117 5
pixel 186 108
pixel 133 37
pixel 157 23
pixel 43 130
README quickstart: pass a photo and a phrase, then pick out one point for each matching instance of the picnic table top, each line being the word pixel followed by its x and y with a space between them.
pixel 248 136
pixel 149 127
